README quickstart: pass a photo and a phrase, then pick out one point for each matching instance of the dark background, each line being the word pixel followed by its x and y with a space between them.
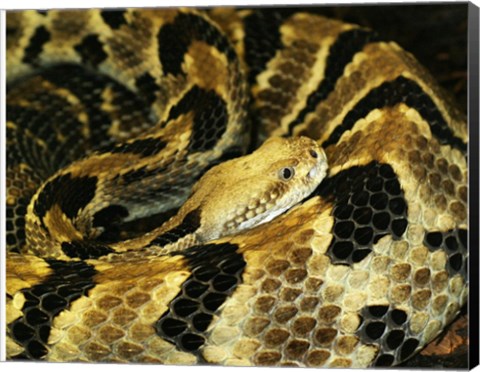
pixel 436 34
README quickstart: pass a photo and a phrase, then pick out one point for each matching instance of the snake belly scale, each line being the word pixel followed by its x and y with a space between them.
pixel 113 117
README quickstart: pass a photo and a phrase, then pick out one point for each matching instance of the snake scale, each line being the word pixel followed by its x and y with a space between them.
pixel 114 115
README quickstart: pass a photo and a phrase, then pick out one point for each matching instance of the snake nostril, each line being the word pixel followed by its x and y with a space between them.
pixel 313 153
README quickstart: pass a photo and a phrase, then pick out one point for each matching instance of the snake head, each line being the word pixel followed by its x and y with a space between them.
pixel 292 170
pixel 299 162
pixel 245 192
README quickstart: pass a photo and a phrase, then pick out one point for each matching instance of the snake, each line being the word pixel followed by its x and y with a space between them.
pixel 228 187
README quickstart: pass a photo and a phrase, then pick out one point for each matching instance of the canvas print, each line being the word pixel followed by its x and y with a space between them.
pixel 242 186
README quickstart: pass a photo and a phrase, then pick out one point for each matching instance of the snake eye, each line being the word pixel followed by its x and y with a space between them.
pixel 286 173
pixel 313 154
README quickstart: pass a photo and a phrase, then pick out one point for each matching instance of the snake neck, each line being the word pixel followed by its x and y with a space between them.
pixel 180 232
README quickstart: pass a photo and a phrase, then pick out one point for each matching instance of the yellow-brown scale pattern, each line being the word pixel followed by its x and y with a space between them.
pixel 322 285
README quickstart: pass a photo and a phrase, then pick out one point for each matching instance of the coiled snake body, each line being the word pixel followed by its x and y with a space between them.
pixel 113 115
